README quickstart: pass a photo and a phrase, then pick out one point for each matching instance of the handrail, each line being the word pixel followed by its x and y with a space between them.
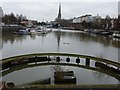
pixel 62 54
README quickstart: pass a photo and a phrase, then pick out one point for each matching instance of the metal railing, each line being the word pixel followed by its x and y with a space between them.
pixel 21 61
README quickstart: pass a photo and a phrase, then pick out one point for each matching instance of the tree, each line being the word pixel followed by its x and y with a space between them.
pixel 5 19
pixel 12 18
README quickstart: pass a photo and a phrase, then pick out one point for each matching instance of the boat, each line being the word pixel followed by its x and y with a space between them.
pixel 116 34
pixel 42 30
pixel 33 32
pixel 64 77
pixel 107 33
pixel 23 32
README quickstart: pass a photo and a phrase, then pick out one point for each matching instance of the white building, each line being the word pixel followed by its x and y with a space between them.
pixel 86 18
pixel 77 20
pixel 89 18
pixel 97 17
pixel 83 18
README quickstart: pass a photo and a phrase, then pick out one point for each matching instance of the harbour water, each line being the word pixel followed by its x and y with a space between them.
pixel 66 41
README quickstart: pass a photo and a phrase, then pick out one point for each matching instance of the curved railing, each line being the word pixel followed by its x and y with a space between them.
pixel 63 54
pixel 87 59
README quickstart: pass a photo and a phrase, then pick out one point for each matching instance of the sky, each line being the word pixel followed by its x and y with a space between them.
pixel 47 10
pixel 119 8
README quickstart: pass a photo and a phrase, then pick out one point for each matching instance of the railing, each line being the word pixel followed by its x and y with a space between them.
pixel 21 61
pixel 63 54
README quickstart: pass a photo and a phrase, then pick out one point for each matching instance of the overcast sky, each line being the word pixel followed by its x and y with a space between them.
pixel 42 9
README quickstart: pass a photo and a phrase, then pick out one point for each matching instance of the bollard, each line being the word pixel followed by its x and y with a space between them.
pixel 57 59
pixel 87 61
pixel 78 60
pixel 68 59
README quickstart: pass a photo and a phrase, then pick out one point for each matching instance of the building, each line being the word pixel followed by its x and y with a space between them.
pixel 114 24
pixel 97 18
pixel 87 18
pixel 29 23
pixel 83 18
pixel 77 20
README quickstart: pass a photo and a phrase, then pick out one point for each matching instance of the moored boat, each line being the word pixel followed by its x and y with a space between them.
pixel 32 32
pixel 41 32
pixel 116 35
pixel 64 77
pixel 23 32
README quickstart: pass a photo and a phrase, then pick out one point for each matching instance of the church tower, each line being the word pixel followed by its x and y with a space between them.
pixel 59 14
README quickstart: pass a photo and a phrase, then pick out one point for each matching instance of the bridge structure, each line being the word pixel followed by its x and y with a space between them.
pixel 14 63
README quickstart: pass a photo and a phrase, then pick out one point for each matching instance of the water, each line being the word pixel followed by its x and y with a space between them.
pixel 64 41
pixel 60 41
pixel 83 76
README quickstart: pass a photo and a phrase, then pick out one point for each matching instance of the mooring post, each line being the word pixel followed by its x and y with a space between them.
pixel 68 59
pixel 87 62
pixel 58 59
pixel 77 60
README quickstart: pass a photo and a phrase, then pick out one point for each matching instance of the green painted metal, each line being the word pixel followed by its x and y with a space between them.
pixel 19 67
pixel 111 62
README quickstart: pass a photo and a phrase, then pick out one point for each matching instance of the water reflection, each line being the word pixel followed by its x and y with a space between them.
pixel 79 36
pixel 101 76
pixel 58 36
pixel 8 36
pixel 56 68
pixel 60 41
pixel 33 36
pixel 106 41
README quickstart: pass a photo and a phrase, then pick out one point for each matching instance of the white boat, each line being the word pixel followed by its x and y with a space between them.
pixel 116 35
pixel 32 31
pixel 24 32
pixel 40 32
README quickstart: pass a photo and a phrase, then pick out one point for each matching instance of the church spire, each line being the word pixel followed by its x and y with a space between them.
pixel 59 13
